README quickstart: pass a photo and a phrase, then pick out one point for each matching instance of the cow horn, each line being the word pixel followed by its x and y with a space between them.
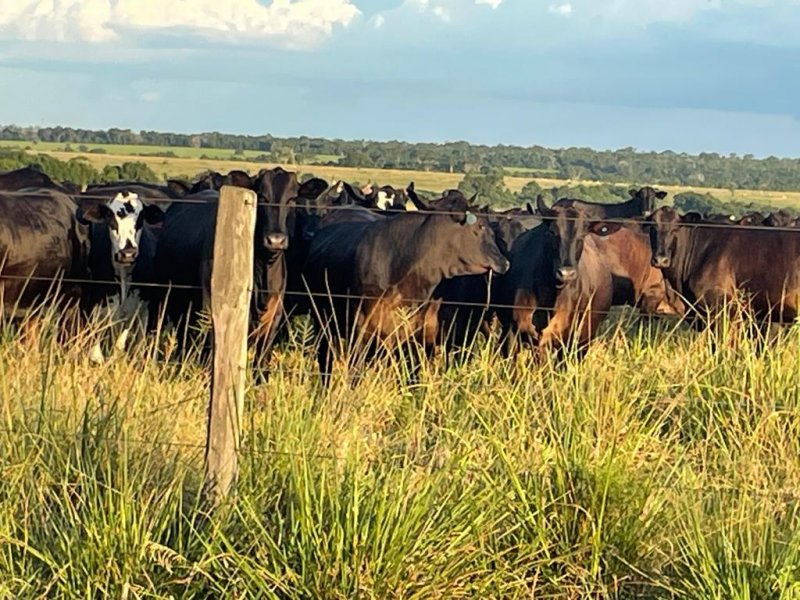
pixel 541 205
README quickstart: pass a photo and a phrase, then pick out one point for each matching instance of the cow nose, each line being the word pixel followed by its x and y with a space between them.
pixel 126 256
pixel 277 241
pixel 566 274
pixel 661 262
pixel 502 266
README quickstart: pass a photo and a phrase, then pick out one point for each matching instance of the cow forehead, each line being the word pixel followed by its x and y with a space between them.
pixel 126 205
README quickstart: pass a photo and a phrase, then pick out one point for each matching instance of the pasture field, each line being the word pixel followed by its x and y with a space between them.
pixel 188 163
pixel 658 467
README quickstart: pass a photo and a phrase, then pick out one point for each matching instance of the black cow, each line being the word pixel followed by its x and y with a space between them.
pixel 40 238
pixel 29 177
pixel 466 301
pixel 711 266
pixel 185 252
pixel 376 278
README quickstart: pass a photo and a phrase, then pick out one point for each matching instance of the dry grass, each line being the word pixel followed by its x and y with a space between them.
pixel 656 468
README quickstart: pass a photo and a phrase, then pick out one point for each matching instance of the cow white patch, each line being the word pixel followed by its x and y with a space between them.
pixel 384 200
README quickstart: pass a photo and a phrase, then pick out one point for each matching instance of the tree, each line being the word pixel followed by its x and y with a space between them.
pixel 489 186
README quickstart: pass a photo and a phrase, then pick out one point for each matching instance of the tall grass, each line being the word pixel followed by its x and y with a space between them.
pixel 665 464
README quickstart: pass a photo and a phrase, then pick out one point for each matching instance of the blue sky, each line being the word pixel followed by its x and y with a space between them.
pixel 685 75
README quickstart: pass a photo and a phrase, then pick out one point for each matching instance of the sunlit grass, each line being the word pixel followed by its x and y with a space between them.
pixel 663 465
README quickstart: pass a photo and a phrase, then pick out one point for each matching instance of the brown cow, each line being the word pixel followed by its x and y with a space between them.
pixel 710 266
pixel 546 272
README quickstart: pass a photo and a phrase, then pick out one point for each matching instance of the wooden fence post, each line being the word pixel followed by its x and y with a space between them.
pixel 231 288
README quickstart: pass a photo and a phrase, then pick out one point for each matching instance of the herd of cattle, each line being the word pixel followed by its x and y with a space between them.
pixel 376 267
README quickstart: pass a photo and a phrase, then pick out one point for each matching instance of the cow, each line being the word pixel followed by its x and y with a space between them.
pixel 720 219
pixel 550 285
pixel 214 181
pixel 781 218
pixel 122 250
pixel 117 228
pixel 386 197
pixel 466 301
pixel 184 257
pixel 30 177
pixel 710 267
pixel 173 189
pixel 751 219
pixel 642 201
pixel 318 205
pixel 376 277
pixel 40 239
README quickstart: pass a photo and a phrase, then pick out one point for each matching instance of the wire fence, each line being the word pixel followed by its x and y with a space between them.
pixel 641 220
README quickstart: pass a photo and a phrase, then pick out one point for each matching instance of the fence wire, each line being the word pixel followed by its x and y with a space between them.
pixel 643 220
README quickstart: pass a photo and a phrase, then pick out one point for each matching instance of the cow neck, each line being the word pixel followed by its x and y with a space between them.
pixel 272 266
pixel 686 253
pixel 270 269
pixel 414 271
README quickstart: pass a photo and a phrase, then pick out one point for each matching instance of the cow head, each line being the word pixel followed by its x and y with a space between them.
pixel 125 215
pixel 469 237
pixel 751 219
pixel 568 227
pixel 277 191
pixel 782 218
pixel 663 228
pixel 314 197
pixel 646 198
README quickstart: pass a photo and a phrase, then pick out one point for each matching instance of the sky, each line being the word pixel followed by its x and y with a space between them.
pixel 684 75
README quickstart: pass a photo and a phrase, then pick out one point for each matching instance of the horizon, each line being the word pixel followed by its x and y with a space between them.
pixel 691 76
pixel 384 141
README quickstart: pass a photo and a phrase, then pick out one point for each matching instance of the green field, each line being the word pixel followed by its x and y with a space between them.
pixel 188 163
pixel 656 468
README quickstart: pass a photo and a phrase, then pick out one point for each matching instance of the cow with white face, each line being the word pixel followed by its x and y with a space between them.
pixel 120 247
pixel 117 229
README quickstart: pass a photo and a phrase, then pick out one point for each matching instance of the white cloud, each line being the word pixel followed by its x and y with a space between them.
pixel 149 96
pixel 379 21
pixel 563 10
pixel 446 9
pixel 286 22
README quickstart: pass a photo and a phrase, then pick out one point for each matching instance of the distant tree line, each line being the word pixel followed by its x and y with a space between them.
pixel 487 183
pixel 612 166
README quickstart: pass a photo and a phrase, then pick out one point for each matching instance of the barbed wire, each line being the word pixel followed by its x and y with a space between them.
pixel 641 220
pixel 329 296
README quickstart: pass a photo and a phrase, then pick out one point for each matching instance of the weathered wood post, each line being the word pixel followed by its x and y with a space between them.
pixel 231 288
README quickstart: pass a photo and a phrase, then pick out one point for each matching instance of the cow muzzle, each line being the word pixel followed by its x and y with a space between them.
pixel 661 262
pixel 567 274
pixel 276 241
pixel 502 266
pixel 126 257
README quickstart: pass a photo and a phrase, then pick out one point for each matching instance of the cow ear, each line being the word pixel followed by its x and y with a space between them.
pixel 529 208
pixel 415 199
pixel 94 213
pixel 633 193
pixel 152 214
pixel 661 194
pixel 313 188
